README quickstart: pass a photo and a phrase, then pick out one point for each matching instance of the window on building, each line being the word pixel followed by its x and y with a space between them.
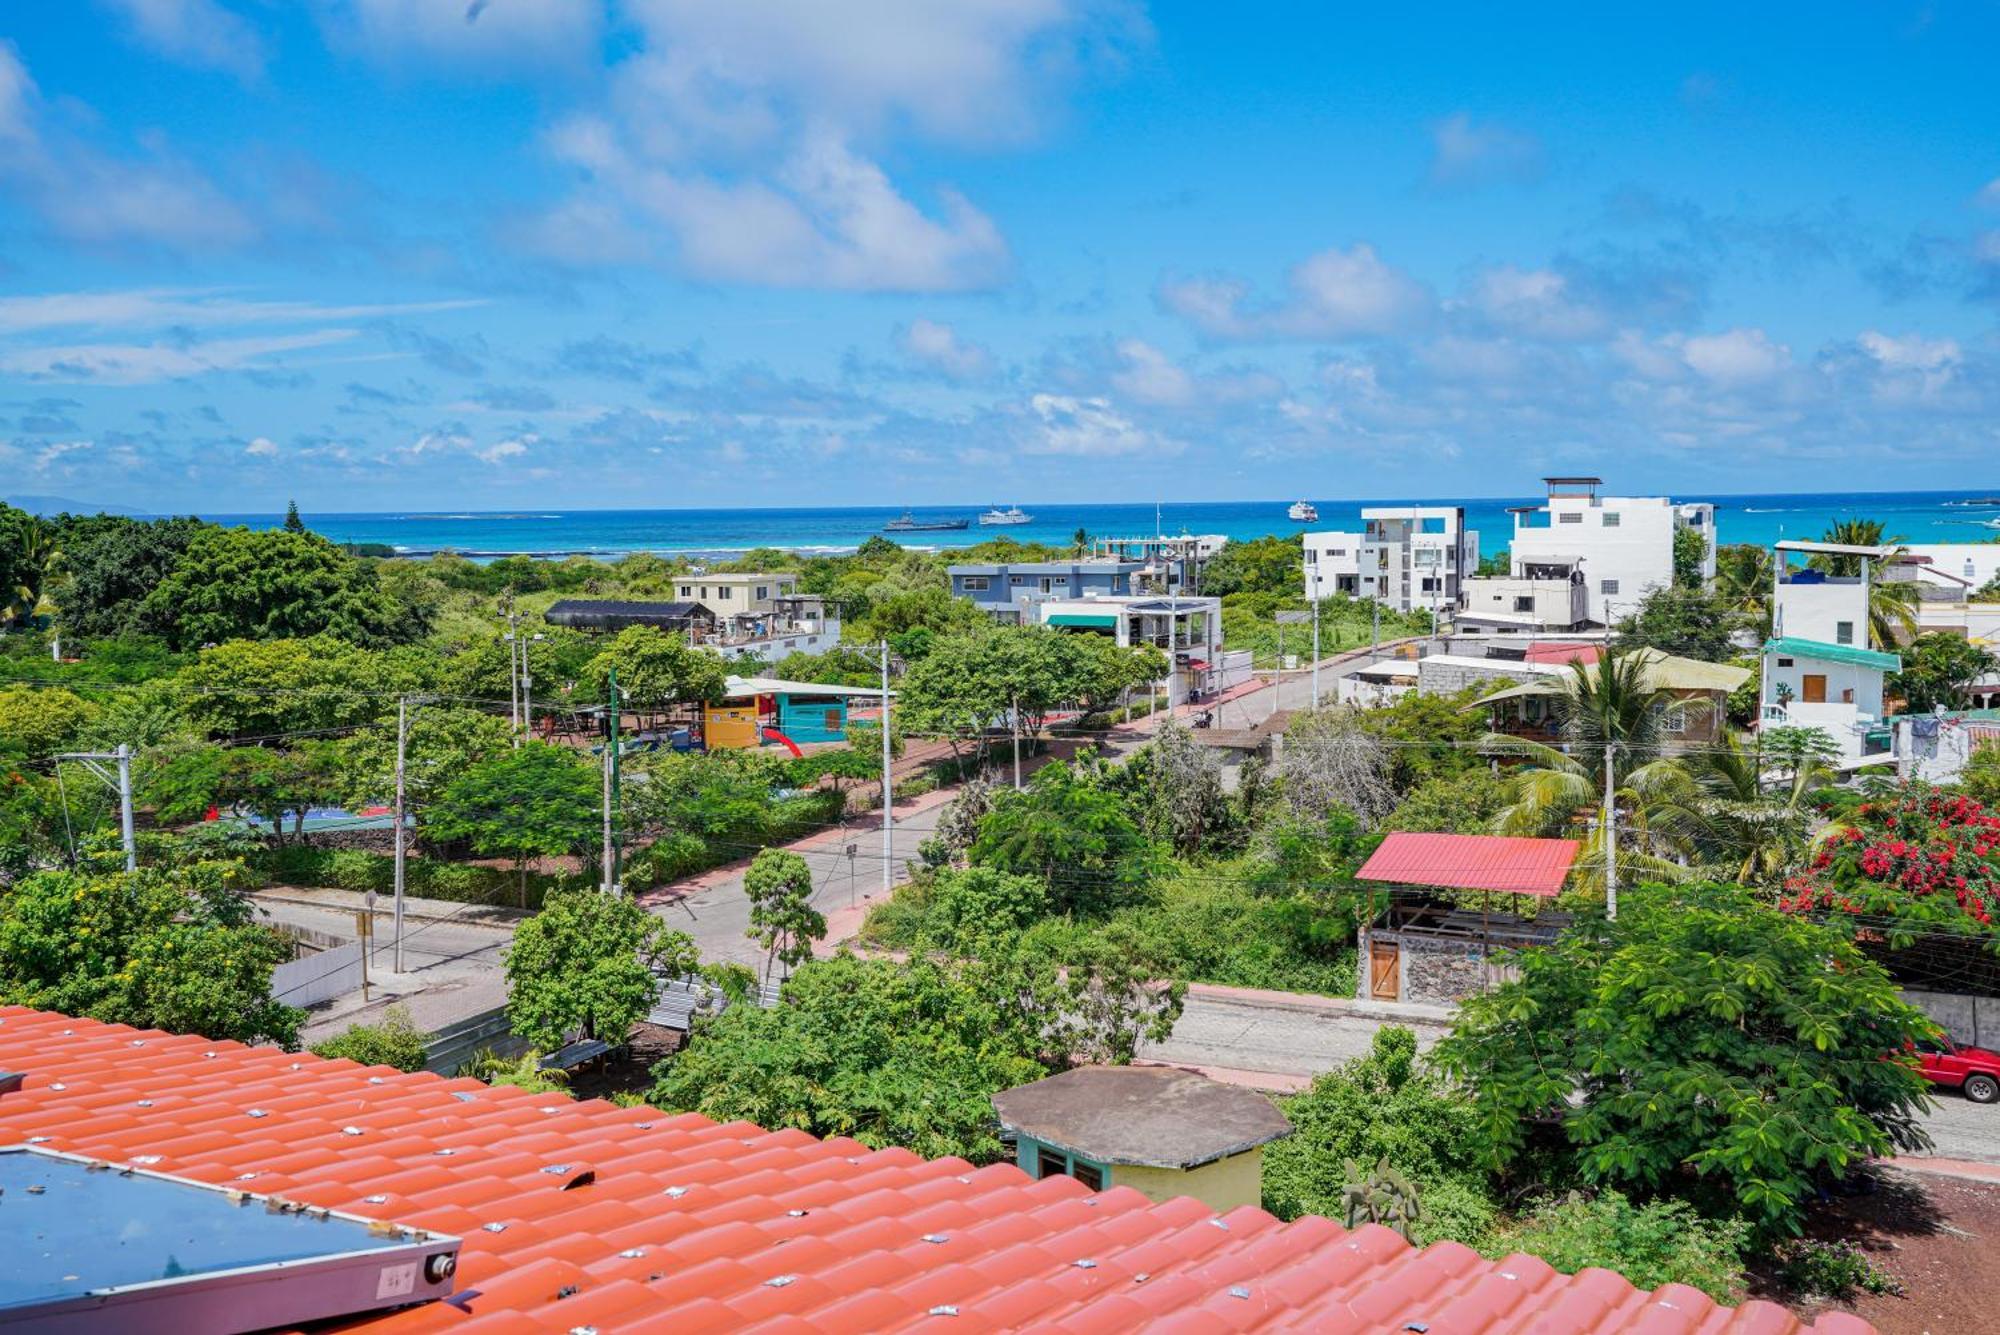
pixel 1843 632
pixel 1611 519
pixel 1784 662
pixel 974 583
pixel 1570 517
pixel 687 590
pixel 724 593
pixel 1675 720
pixel 1312 556
pixel 1017 579
pixel 1607 586
pixel 1050 583
pixel 1524 604
pixel 1430 526
pixel 1089 1175
pixel 1051 1163
pixel 763 592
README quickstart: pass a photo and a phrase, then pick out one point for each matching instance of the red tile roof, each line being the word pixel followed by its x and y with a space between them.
pixel 1563 653
pixel 688 1226
pixel 1472 862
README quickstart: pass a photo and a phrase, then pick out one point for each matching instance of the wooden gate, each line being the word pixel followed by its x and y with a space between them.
pixel 1383 957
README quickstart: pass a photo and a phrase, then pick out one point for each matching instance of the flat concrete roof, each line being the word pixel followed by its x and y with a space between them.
pixel 1146 1116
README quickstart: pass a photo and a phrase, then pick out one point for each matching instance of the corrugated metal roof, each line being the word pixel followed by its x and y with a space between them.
pixel 582 1215
pixel 1472 862
pixel 1851 654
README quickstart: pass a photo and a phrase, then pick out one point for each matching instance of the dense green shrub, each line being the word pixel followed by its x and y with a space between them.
pixel 395 1042
pixel 1383 1105
pixel 1832 1270
pixel 1665 1242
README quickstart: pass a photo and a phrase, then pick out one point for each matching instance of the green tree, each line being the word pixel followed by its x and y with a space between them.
pixel 1981 777
pixel 109 565
pixel 782 918
pixel 1703 1045
pixel 395 1042
pixel 910 1054
pixel 1680 620
pixel 538 801
pixel 1690 555
pixel 589 965
pixel 967 905
pixel 44 721
pixel 1385 1105
pixel 269 688
pixel 1743 577
pixel 173 949
pixel 655 668
pixel 239 583
pixel 293 524
pixel 1938 671
pixel 28 555
pixel 1457 804
pixel 1068 832
pixel 1260 565
pixel 444 742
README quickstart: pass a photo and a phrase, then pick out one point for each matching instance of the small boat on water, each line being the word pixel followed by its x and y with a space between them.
pixel 1013 514
pixel 1303 511
pixel 909 523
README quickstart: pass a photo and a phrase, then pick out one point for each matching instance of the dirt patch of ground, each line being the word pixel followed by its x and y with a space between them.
pixel 632 1071
pixel 1939 1236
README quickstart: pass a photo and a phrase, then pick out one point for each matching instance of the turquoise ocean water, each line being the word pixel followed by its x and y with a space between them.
pixel 1917 517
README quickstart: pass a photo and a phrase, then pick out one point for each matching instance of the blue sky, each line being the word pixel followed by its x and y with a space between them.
pixel 379 254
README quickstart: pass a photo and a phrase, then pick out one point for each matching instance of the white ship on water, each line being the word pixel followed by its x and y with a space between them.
pixel 1303 511
pixel 1013 514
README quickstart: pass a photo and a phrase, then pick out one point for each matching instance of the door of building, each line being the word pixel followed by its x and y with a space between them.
pixel 1383 957
pixel 1812 688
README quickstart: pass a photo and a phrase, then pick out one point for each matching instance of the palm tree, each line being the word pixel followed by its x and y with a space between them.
pixel 1753 835
pixel 1608 715
pixel 1743 576
pixel 1080 540
pixel 33 560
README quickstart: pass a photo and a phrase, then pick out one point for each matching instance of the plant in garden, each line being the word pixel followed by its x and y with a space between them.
pixel 168 949
pixel 1832 1270
pixel 395 1042
pixel 538 801
pixel 1661 1242
pixel 1921 860
pixel 1938 671
pixel 782 918
pixel 1071 833
pixel 522 1072
pixel 589 965
pixel 1703 1046
pixel 1384 1108
pixel 1380 1195
pixel 656 668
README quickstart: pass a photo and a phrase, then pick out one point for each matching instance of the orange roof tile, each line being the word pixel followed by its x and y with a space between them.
pixel 582 1214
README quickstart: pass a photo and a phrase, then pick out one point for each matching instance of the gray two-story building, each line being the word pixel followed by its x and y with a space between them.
pixel 1009 592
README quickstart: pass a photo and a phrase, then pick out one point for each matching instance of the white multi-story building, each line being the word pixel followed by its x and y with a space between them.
pixel 1622 545
pixel 1413 558
pixel 1818 669
pixel 1187 629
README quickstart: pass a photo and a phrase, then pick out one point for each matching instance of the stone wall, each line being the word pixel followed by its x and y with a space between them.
pixel 1441 972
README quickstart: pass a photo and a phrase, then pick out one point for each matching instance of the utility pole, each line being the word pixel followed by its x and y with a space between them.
pixel 1014 724
pixel 610 783
pixel 1315 704
pixel 402 750
pixel 1610 839
pixel 120 782
pixel 888 787
pixel 513 677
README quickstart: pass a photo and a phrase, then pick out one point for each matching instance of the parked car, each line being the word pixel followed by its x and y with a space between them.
pixel 1973 1071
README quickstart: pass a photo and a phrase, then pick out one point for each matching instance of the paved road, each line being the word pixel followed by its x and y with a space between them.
pixel 1283 1041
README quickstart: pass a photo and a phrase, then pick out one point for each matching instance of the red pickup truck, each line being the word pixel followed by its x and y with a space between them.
pixel 1973 1071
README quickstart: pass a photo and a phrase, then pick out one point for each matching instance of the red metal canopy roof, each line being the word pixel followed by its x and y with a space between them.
pixel 1472 862
pixel 583 1215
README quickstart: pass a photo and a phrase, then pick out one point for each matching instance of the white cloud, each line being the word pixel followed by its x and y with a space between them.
pixel 1086 427
pixel 1735 357
pixel 263 447
pixel 506 449
pixel 88 196
pixel 158 308
pixel 1331 295
pixel 1150 376
pixel 196 32
pixel 1467 154
pixel 826 218
pixel 937 347
pixel 1911 351
pixel 1534 302
pixel 141 363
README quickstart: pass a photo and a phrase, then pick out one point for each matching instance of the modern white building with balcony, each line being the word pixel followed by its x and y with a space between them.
pixel 1187 629
pixel 1413 558
pixel 1818 669
pixel 1623 546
